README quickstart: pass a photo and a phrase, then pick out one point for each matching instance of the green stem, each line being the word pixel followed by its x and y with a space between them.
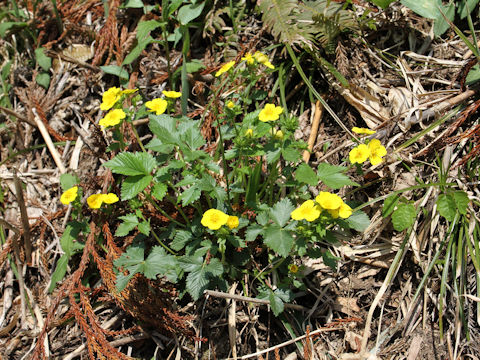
pixel 138 138
pixel 163 212
pixel 162 244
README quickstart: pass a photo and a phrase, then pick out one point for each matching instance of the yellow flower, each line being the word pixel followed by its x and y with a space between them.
pixel 110 198
pixel 328 200
pixel 308 211
pixel 361 131
pixel 232 222
pixel 95 201
pixel 263 59
pixel 69 195
pixel 172 94
pixel 112 118
pixel 359 154
pixel 157 105
pixel 344 211
pixel 214 219
pixel 129 91
pixel 270 113
pixel 293 268
pixel 225 67
pixel 230 104
pixel 249 133
pixel 110 97
pixel 279 134
pixel 249 59
pixel 377 150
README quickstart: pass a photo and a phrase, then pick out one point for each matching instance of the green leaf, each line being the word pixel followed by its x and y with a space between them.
pixel 280 212
pixel 461 201
pixel 466 7
pixel 193 138
pixel 276 303
pixel 115 70
pixel 382 3
pixel 127 163
pixel 279 240
pixel 68 241
pixel 164 127
pixel 330 260
pixel 441 24
pixel 333 176
pixel 158 262
pixel 59 273
pixel 404 216
pixel 145 27
pixel 134 4
pixel 68 181
pixel 252 232
pixel 190 195
pixel 197 282
pixel 5 26
pixel 129 223
pixel 358 221
pixel 137 50
pixel 189 12
pixel 144 227
pixel 426 8
pixel 473 75
pixel 181 238
pixel 446 206
pixel 133 185
pixel 291 155
pixel 43 79
pixel 305 174
pixel 389 205
pixel 43 60
pixel 159 191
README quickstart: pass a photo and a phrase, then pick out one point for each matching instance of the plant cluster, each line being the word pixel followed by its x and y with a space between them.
pixel 235 205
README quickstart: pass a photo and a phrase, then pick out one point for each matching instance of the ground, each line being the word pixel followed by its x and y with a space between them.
pixel 411 87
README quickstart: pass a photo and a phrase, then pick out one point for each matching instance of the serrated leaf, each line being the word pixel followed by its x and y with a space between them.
pixel 133 185
pixel 280 212
pixel 305 174
pixel 215 267
pixel 127 163
pixel 181 238
pixel 159 191
pixel 197 282
pixel 358 221
pixel 156 145
pixel 461 200
pixel 252 232
pixel 130 258
pixel 330 260
pixel 333 176
pixel 144 227
pixel 404 216
pixel 129 223
pixel 43 60
pixel 279 240
pixel 446 206
pixel 115 70
pixel 164 127
pixel 193 138
pixel 158 262
pixel 291 155
pixel 276 303
pixel 60 271
pixel 190 195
